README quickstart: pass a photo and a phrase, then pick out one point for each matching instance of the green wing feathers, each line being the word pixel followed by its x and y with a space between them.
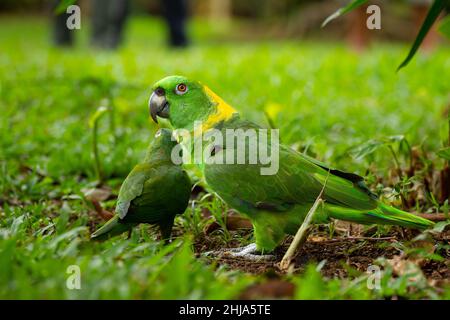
pixel 296 185
pixel 132 188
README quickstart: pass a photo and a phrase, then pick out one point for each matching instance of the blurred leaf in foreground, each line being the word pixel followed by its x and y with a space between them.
pixel 341 11
pixel 435 10
pixel 62 6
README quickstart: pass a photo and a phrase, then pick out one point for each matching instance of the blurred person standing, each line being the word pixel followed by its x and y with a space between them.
pixel 62 36
pixel 108 21
pixel 176 14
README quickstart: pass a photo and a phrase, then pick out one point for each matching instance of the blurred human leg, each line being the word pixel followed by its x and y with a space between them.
pixel 117 16
pixel 176 12
pixel 99 18
pixel 62 36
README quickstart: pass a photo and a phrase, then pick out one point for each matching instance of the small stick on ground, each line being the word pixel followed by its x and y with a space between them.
pixel 106 215
pixel 302 233
pixel 358 238
pixel 436 217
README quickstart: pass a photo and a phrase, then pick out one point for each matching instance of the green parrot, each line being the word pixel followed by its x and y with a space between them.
pixel 275 203
pixel 154 192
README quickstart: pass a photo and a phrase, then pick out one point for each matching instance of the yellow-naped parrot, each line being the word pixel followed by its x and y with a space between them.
pixel 276 203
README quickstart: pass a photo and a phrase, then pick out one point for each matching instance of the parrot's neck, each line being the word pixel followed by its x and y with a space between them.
pixel 222 113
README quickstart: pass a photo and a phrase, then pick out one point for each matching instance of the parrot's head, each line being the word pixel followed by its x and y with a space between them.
pixel 183 101
pixel 161 145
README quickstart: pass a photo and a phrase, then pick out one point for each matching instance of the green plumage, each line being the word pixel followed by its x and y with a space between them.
pixel 154 192
pixel 277 204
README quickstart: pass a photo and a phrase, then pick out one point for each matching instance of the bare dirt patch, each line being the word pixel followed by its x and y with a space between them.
pixel 340 254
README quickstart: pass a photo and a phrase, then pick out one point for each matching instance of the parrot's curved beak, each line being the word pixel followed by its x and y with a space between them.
pixel 159 107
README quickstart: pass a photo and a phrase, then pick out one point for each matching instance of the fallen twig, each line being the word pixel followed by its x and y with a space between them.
pixel 302 233
pixel 434 216
pixel 105 214
pixel 358 238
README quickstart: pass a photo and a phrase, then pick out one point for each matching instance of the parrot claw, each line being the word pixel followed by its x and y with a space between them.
pixel 248 253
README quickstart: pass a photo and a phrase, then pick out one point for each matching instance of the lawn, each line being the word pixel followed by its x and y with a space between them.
pixel 348 109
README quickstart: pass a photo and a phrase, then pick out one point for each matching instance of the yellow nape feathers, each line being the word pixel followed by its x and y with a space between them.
pixel 223 110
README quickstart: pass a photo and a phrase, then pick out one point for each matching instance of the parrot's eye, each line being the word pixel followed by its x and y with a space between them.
pixel 181 89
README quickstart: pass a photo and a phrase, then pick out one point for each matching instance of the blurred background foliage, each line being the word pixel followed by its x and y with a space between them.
pixel 265 18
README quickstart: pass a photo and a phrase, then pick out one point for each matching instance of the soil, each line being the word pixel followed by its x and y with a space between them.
pixel 341 253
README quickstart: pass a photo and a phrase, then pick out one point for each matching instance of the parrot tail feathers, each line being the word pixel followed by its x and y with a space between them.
pixel 383 214
pixel 391 215
pixel 111 228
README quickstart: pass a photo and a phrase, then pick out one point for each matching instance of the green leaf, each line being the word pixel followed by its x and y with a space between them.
pixel 396 138
pixel 432 15
pixel 349 7
pixel 62 6
pixel 444 153
pixel 444 26
pixel 440 226
pixel 368 147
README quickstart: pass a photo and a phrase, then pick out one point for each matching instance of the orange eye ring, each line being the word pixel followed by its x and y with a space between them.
pixel 181 88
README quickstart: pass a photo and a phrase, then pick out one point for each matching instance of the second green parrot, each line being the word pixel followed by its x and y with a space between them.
pixel 154 192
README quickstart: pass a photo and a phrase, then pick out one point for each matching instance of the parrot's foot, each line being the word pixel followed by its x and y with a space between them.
pixel 248 252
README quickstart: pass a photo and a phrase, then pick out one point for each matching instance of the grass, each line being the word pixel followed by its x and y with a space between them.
pixel 339 106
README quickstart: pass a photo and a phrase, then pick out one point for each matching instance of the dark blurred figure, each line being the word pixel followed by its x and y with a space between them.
pixel 176 14
pixel 62 36
pixel 108 20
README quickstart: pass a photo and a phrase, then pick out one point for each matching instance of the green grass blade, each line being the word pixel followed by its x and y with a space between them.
pixel 432 15
pixel 341 11
pixel 444 153
pixel 62 6
pixel 93 123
